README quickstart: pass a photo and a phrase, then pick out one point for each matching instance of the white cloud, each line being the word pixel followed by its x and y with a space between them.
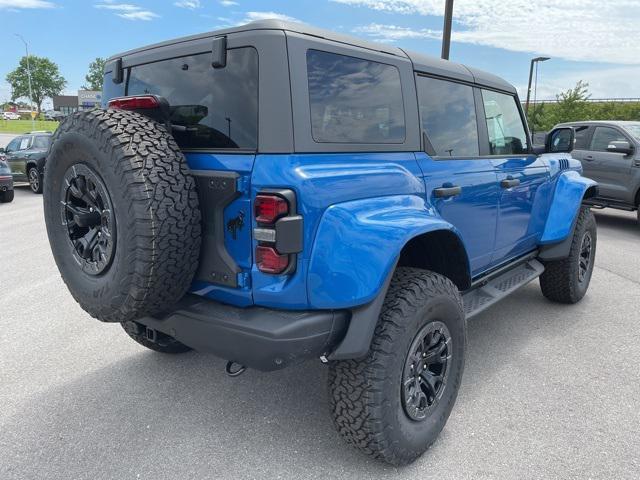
pixel 16 4
pixel 190 4
pixel 139 15
pixel 228 3
pixel 617 82
pixel 253 16
pixel 583 30
pixel 127 11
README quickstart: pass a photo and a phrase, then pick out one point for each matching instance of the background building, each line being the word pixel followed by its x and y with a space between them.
pixel 85 100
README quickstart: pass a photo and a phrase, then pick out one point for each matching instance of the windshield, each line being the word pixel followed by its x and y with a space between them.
pixel 633 129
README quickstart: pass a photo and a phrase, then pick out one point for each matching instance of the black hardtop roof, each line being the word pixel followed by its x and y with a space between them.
pixel 421 62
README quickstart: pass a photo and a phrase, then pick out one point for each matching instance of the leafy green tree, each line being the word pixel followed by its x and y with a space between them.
pixel 96 75
pixel 572 105
pixel 46 80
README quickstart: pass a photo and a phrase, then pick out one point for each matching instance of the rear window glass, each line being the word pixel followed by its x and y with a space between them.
pixel 354 100
pixel 210 107
pixel 41 142
pixel 448 116
pixel 581 137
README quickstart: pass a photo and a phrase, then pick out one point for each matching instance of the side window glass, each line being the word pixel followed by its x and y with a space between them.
pixel 507 134
pixel 582 137
pixel 448 117
pixel 24 143
pixel 603 136
pixel 353 100
pixel 13 145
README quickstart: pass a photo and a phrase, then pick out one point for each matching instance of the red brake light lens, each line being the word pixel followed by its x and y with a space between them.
pixel 269 208
pixel 270 261
pixel 134 103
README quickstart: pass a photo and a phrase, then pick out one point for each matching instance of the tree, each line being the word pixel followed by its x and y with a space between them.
pixel 96 75
pixel 572 105
pixel 46 80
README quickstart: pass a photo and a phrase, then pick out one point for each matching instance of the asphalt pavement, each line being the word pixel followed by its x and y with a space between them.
pixel 549 391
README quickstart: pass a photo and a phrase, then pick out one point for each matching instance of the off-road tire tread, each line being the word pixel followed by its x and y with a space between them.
pixel 354 385
pixel 559 280
pixel 164 213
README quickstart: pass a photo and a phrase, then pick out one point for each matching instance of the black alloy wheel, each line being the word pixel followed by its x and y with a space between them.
pixel 586 256
pixel 87 212
pixel 425 372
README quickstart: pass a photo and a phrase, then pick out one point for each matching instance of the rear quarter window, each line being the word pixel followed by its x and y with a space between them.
pixel 211 108
pixel 353 100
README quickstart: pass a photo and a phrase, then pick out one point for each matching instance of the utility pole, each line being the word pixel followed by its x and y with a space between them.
pixel 26 47
pixel 446 31
pixel 533 62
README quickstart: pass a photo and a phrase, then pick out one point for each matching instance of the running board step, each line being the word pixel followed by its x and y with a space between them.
pixel 494 290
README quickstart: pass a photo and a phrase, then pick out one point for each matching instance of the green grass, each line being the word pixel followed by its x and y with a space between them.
pixel 23 126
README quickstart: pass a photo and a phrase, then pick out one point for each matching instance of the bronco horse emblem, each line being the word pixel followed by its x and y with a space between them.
pixel 236 224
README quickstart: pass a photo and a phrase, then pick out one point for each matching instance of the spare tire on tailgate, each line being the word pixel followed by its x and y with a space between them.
pixel 122 214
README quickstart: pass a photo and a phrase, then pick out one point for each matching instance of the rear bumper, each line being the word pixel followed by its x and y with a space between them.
pixel 256 337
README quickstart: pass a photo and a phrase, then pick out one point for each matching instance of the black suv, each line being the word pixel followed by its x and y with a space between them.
pixel 610 154
pixel 26 156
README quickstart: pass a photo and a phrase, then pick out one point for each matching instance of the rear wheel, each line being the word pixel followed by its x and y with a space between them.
pixel 567 280
pixel 35 180
pixel 6 197
pixel 393 403
pixel 122 214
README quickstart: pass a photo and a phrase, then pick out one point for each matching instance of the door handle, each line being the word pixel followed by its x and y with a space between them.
pixel 589 158
pixel 447 191
pixel 636 162
pixel 509 182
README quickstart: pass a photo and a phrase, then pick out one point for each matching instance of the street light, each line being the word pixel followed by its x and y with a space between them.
pixel 533 62
pixel 446 31
pixel 26 47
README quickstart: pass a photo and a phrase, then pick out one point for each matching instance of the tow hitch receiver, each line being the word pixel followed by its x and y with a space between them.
pixel 234 372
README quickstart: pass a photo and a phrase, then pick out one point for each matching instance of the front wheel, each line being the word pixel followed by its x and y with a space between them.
pixel 393 403
pixel 35 180
pixel 567 280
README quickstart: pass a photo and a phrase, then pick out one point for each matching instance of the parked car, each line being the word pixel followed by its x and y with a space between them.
pixel 337 199
pixel 10 116
pixel 6 183
pixel 26 155
pixel 610 154
pixel 54 115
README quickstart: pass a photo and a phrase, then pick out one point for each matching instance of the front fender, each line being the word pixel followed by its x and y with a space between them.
pixel 358 242
pixel 567 199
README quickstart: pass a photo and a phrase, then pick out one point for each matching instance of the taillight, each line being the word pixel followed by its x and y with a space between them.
pixel 278 231
pixel 270 261
pixel 269 208
pixel 143 102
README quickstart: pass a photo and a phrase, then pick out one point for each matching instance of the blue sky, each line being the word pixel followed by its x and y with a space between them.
pixel 587 39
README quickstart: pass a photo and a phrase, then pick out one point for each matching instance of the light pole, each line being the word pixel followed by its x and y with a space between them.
pixel 26 47
pixel 533 62
pixel 446 31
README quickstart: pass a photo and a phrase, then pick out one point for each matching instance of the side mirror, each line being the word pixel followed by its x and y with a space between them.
pixel 560 140
pixel 620 147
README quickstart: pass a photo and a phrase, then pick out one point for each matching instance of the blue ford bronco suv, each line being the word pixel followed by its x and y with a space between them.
pixel 273 193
